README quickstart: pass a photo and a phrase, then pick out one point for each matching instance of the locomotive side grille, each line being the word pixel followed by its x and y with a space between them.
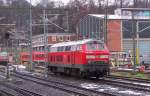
pixel 96 63
pixel 96 66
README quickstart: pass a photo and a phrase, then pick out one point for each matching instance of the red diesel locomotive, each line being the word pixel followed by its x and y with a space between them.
pixel 87 57
pixel 37 57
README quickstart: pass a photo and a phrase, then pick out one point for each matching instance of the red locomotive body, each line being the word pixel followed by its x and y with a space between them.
pixel 85 58
pixel 36 57
pixel 24 56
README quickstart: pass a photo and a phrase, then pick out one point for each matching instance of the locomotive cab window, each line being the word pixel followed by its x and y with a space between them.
pixel 95 46
pixel 59 49
pixel 79 47
pixel 53 49
pixel 68 48
pixel 73 48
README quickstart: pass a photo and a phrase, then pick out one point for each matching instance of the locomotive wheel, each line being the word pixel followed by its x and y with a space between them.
pixel 83 75
pixel 75 72
pixel 97 76
pixel 105 73
pixel 68 71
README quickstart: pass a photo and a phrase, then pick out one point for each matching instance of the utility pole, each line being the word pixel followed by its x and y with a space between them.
pixel 45 35
pixel 134 32
pixel 7 66
pixel 67 21
pixel 105 22
pixel 121 4
pixel 134 3
pixel 6 37
pixel 30 39
pixel 137 43
pixel 134 41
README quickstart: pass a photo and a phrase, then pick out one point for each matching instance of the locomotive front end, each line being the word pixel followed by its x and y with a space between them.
pixel 97 59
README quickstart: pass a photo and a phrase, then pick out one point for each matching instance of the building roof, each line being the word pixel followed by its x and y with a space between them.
pixel 136 9
pixel 54 34
pixel 120 17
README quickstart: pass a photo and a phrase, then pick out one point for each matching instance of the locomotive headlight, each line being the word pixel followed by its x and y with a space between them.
pixel 90 56
pixel 104 56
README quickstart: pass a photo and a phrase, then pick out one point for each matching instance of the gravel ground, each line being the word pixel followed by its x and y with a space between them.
pixel 118 91
pixel 47 91
pixel 40 89
pixel 8 90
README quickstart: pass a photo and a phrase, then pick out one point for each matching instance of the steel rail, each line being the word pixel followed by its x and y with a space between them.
pixel 130 79
pixel 59 85
pixel 23 92
pixel 125 84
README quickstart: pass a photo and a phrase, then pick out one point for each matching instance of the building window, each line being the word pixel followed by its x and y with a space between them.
pixel 68 38
pixel 42 39
pixel 60 38
pixel 43 48
pixel 53 38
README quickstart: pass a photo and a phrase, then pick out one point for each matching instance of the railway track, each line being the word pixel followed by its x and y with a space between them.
pixel 6 93
pixel 67 87
pixel 8 89
pixel 19 91
pixel 109 82
pixel 130 79
pixel 127 83
pixel 82 91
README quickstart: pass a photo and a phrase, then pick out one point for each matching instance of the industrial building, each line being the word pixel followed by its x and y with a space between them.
pixel 120 29
pixel 52 38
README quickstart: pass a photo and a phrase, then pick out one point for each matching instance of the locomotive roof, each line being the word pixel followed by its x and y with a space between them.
pixel 74 42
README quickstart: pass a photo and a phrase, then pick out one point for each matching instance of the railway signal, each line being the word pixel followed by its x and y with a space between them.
pixel 7 37
pixel 45 33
